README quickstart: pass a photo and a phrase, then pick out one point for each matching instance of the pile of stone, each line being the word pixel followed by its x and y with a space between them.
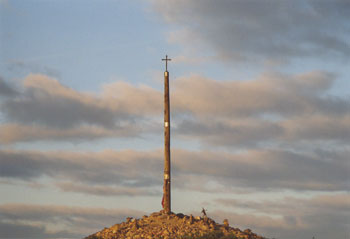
pixel 164 226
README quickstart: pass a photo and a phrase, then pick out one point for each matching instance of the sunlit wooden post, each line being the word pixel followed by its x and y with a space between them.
pixel 166 202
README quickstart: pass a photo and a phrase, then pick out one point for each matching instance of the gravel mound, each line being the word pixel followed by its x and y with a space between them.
pixel 164 226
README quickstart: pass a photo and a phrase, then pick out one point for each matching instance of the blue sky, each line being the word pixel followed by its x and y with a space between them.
pixel 260 114
pixel 101 47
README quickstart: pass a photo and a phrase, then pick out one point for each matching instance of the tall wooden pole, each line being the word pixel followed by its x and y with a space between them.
pixel 166 187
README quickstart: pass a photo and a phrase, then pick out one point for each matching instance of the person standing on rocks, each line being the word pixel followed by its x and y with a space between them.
pixel 204 212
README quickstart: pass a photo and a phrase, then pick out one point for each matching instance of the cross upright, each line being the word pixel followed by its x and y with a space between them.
pixel 166 201
pixel 166 62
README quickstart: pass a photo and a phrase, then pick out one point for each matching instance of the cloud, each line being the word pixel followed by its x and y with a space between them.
pixel 322 216
pixel 54 221
pixel 45 101
pixel 270 93
pixel 271 109
pixel 260 30
pixel 288 227
pixel 266 169
pixel 19 67
pixel 123 168
pixel 318 127
pixel 131 173
pixel 231 133
pixel 107 191
pixel 6 89
pixel 11 133
pixel 44 109
pixel 337 203
pixel 111 173
pixel 141 100
pixel 259 132
pixel 19 230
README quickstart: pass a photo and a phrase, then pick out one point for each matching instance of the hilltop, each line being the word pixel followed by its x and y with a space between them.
pixel 172 226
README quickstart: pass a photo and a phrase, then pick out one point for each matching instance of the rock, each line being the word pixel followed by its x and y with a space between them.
pixel 205 228
pixel 191 219
pixel 135 227
pixel 180 215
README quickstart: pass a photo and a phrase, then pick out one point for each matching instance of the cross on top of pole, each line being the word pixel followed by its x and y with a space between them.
pixel 166 62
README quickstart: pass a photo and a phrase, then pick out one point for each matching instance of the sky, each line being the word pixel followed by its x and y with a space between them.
pixel 260 114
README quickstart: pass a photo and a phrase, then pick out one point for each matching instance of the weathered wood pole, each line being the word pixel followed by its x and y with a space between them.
pixel 166 187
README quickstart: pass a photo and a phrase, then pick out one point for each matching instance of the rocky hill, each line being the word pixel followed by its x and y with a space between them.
pixel 161 225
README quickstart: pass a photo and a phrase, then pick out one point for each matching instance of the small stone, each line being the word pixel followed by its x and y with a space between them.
pixel 248 231
pixel 205 227
pixel 180 215
pixel 191 219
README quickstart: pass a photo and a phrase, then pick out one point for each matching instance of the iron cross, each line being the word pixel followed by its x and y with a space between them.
pixel 166 62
